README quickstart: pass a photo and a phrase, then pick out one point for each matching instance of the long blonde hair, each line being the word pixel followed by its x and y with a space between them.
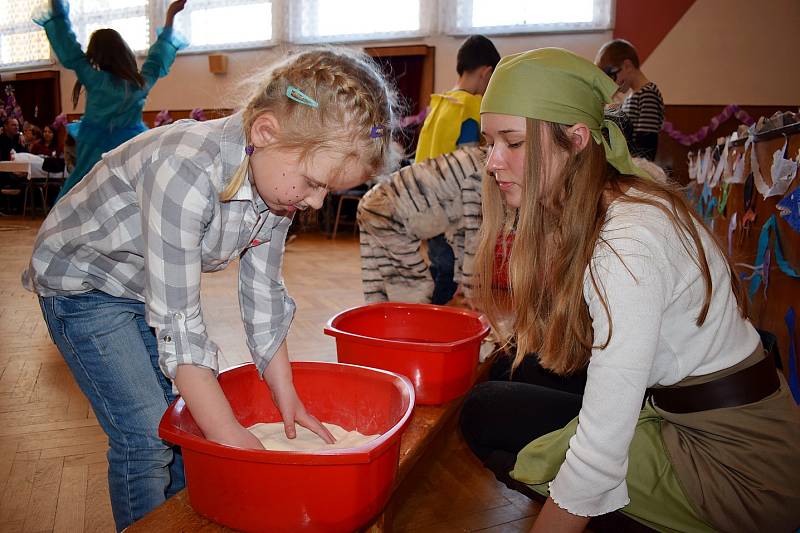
pixel 353 98
pixel 556 231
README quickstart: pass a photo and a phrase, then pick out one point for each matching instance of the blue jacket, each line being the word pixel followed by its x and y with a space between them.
pixel 114 106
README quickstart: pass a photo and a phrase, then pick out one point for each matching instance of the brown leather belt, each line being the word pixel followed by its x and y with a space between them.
pixel 748 385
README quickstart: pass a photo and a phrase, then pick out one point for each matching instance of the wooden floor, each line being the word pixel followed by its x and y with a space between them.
pixel 52 450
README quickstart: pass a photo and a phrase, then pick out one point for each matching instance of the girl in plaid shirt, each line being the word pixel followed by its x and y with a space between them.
pixel 117 262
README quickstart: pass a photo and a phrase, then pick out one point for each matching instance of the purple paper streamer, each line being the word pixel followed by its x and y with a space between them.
pixel 702 133
pixel 162 119
pixel 198 114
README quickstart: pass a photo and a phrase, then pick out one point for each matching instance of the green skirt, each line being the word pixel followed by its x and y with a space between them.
pixel 734 469
pixel 657 498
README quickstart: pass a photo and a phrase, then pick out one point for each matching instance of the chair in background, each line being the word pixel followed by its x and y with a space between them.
pixel 350 194
pixel 56 170
pixel 14 178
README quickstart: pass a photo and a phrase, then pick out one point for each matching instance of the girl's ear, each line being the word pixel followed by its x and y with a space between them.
pixel 580 136
pixel 264 130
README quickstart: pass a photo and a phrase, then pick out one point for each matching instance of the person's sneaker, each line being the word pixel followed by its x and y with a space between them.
pixel 290 239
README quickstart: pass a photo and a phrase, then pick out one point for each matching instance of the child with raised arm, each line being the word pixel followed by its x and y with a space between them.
pixel 115 87
pixel 117 262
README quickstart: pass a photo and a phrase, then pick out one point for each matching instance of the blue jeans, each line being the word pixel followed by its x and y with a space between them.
pixel 443 262
pixel 113 355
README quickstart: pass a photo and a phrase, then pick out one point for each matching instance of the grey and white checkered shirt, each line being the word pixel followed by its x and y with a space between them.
pixel 146 221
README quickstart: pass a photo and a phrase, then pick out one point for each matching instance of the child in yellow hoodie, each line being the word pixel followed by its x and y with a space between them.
pixel 454 121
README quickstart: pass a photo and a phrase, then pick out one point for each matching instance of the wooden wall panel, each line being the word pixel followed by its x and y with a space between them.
pixel 767 312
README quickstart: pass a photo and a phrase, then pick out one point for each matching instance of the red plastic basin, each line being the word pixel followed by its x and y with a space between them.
pixel 327 491
pixel 435 347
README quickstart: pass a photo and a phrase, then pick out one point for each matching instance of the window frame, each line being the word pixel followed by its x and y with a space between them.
pixel 80 21
pixel 275 40
pixel 450 23
pixel 22 27
pixel 427 28
pixel 437 18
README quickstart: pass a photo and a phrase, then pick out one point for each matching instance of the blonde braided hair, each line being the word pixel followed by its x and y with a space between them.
pixel 353 97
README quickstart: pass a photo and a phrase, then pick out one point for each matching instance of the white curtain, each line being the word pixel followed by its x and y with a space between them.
pixel 215 24
pixel 524 16
pixel 21 41
pixel 129 17
pixel 330 21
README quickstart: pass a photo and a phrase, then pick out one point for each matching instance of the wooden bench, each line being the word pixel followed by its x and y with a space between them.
pixel 176 515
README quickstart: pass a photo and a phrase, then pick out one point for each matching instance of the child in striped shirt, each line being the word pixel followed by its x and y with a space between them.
pixel 644 105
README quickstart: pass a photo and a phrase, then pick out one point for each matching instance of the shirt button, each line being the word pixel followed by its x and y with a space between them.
pixel 167 338
pixel 179 316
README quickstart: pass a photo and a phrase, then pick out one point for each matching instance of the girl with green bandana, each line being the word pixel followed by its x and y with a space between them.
pixel 637 382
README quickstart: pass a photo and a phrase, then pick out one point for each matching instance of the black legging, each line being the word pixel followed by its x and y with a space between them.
pixel 502 415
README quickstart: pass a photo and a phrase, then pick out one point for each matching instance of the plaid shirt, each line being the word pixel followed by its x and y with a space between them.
pixel 146 221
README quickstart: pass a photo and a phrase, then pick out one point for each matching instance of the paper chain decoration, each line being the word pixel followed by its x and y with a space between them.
pixel 702 133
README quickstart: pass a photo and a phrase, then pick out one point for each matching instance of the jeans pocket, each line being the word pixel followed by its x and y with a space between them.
pixel 118 336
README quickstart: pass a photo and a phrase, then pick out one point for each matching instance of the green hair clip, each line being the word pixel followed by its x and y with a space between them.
pixel 300 97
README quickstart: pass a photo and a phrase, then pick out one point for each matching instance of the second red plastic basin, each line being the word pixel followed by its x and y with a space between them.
pixel 435 347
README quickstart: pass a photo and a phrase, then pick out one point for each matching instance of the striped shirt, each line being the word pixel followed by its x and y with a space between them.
pixel 146 221
pixel 645 109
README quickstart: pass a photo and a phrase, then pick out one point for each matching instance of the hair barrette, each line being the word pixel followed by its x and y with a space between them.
pixel 379 130
pixel 300 97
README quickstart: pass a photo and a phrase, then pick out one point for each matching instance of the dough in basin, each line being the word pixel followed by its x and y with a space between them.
pixel 274 438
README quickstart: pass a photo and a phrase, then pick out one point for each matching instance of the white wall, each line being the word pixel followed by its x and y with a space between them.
pixel 189 83
pixel 730 52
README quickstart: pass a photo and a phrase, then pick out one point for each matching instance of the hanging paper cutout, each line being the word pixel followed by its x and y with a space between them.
pixel 704 165
pixel 794 379
pixel 708 214
pixel 731 229
pixel 692 166
pixel 763 243
pixel 749 196
pixel 755 168
pixel 783 172
pixel 717 173
pixel 737 173
pixel 726 163
pixel 789 209
pixel 726 189
pixel 747 222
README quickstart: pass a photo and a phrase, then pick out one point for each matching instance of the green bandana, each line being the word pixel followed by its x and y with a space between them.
pixel 556 85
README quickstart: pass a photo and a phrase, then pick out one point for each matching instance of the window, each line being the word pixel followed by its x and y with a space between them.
pixel 21 41
pixel 527 16
pixel 229 24
pixel 211 24
pixel 356 20
pixel 128 17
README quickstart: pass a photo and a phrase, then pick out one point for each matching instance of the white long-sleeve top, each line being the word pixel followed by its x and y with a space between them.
pixel 654 291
